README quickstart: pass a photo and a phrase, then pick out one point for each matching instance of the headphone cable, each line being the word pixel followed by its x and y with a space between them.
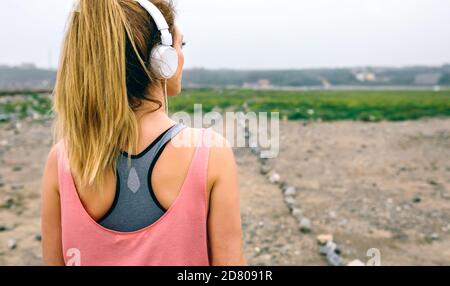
pixel 165 97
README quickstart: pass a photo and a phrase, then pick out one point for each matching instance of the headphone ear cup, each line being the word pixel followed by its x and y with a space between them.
pixel 164 61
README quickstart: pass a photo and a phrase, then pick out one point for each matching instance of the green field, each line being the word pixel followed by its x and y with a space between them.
pixel 324 105
pixel 312 105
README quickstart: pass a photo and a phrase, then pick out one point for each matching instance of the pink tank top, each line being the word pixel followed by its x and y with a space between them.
pixel 178 238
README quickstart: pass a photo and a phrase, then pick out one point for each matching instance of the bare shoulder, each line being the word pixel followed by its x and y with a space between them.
pixel 50 176
pixel 221 161
pixel 52 158
pixel 221 158
pixel 188 137
pixel 191 136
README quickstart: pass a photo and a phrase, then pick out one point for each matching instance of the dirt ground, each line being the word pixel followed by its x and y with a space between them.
pixel 371 185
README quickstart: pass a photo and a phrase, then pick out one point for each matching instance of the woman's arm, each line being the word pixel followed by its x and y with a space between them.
pixel 51 213
pixel 224 219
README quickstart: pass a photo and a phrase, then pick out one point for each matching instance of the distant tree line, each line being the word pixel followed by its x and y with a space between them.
pixel 26 77
pixel 318 77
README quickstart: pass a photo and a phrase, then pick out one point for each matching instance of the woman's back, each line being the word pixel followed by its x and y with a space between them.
pixel 178 237
pixel 166 176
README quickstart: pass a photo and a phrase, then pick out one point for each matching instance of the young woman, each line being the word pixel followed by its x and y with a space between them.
pixel 116 189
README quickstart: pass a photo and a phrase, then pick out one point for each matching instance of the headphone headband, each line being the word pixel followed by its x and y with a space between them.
pixel 161 23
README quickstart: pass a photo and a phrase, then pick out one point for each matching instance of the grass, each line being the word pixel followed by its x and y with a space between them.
pixel 25 106
pixel 295 105
pixel 324 105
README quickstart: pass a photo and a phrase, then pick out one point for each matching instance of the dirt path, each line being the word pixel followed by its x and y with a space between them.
pixel 271 234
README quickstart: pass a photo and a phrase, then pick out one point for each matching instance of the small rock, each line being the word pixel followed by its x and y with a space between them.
pixel 343 222
pixel 256 151
pixel 18 126
pixel 332 214
pixel 432 182
pixel 433 237
pixel 265 169
pixel 322 239
pixel 274 178
pixel 12 244
pixel 297 213
pixel 7 203
pixel 290 191
pixel 17 187
pixel 334 259
pixel 400 236
pixel 36 116
pixel 290 201
pixel 283 185
pixel 305 225
pixel 329 247
pixel 17 168
pixel 356 262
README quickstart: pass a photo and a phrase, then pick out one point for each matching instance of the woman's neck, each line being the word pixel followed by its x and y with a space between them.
pixel 156 93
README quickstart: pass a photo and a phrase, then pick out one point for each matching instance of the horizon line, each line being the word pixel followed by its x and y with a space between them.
pixel 38 67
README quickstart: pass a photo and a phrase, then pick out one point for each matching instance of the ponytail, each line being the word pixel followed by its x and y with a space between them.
pixel 93 115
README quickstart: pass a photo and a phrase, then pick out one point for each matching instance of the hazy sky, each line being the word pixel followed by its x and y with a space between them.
pixel 254 34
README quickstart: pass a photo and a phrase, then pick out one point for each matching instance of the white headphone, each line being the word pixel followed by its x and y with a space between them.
pixel 163 57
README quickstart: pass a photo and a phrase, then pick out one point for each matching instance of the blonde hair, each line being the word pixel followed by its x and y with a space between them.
pixel 101 80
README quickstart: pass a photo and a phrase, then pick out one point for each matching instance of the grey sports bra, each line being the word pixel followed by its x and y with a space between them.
pixel 135 205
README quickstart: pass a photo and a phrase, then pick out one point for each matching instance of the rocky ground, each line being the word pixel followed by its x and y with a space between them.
pixel 374 185
pixel 370 185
